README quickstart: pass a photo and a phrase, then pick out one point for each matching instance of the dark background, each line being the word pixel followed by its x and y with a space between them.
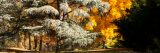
pixel 141 29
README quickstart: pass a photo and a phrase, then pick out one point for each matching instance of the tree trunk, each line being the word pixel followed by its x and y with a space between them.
pixel 25 41
pixel 35 42
pixel 29 41
pixel 40 44
pixel 21 40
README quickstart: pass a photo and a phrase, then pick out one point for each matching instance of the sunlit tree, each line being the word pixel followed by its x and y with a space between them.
pixel 105 23
pixel 65 18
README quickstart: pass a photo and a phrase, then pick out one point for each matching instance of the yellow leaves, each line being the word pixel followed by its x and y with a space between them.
pixel 121 5
pixel 110 43
pixel 88 26
pixel 110 31
pixel 115 13
pixel 93 21
pixel 79 19
pixel 91 24
pixel 118 7
pixel 112 2
pixel 94 10
pixel 105 25
pixel 128 4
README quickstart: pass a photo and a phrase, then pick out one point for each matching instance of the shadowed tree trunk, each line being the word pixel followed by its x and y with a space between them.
pixel 29 36
pixel 35 42
pixel 40 44
pixel 25 40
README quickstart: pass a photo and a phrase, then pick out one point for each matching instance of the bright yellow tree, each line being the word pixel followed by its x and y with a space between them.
pixel 105 25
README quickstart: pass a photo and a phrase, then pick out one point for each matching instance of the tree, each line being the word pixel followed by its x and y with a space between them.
pixel 105 23
pixel 37 18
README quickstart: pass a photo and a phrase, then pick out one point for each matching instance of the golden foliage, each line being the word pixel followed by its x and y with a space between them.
pixel 105 25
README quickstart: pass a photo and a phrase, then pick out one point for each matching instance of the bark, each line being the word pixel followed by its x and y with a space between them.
pixel 21 40
pixel 29 41
pixel 40 44
pixel 35 42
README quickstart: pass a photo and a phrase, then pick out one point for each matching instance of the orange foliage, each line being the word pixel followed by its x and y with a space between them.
pixel 104 24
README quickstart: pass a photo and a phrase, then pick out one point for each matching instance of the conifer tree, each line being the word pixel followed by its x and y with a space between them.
pixel 38 17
